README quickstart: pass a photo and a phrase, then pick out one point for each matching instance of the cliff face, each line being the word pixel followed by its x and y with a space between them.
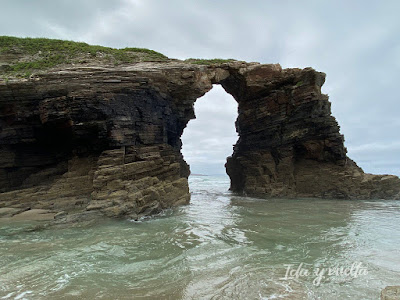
pixel 108 138
pixel 289 143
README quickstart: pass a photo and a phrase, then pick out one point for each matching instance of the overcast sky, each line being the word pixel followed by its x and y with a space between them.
pixel 356 42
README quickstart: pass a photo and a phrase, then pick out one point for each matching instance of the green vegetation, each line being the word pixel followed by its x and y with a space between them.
pixel 300 83
pixel 213 61
pixel 26 55
pixel 22 57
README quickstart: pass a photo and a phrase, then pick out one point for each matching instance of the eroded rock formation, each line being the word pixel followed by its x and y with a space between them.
pixel 108 139
pixel 289 144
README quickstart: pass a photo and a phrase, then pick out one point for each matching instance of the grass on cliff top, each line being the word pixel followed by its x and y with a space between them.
pixel 25 55
pixel 20 57
pixel 213 61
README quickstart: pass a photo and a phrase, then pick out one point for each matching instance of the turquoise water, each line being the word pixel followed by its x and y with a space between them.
pixel 221 246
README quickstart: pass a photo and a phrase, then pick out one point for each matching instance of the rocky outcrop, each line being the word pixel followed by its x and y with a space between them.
pixel 108 138
pixel 289 144
pixel 390 293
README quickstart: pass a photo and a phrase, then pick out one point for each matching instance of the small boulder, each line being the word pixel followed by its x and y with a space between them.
pixel 391 293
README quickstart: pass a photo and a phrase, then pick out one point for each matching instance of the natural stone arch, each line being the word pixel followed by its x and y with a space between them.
pixel 289 143
pixel 124 126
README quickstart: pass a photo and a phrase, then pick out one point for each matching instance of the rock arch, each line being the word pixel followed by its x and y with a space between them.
pixel 124 125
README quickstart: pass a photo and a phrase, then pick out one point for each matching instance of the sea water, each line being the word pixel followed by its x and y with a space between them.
pixel 221 246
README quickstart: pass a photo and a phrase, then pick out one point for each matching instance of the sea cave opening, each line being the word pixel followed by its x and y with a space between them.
pixel 209 138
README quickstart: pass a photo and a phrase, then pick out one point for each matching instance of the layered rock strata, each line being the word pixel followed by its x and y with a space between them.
pixel 289 143
pixel 108 138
